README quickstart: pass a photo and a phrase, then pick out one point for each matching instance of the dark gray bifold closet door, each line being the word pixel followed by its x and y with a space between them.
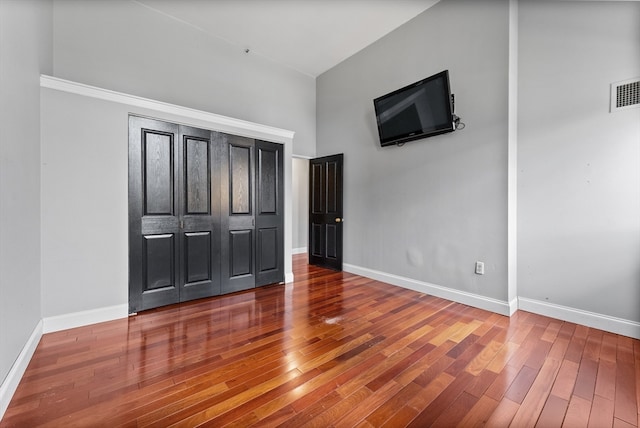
pixel 238 213
pixel 174 214
pixel 269 213
pixel 252 212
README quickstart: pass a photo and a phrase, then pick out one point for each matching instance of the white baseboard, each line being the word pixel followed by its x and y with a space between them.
pixel 475 300
pixel 564 313
pixel 288 277
pixel 578 316
pixel 11 382
pixel 82 318
pixel 301 250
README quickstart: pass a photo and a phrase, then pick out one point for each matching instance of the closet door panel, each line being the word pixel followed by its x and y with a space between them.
pixel 269 213
pixel 158 262
pixel 240 245
pixel 174 214
pixel 268 249
pixel 153 214
pixel 198 185
pixel 238 213
pixel 240 179
pixel 198 257
pixel 157 166
pixel 200 238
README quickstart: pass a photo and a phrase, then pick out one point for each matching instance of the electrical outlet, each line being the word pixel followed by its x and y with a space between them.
pixel 480 268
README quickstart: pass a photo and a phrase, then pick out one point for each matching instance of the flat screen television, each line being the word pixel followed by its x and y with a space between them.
pixel 422 109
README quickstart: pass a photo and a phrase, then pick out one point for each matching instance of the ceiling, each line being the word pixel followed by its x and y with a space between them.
pixel 310 36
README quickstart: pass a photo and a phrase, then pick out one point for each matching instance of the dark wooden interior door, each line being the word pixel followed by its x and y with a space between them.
pixel 325 211
pixel 154 221
pixel 269 213
pixel 174 221
pixel 199 185
pixel 238 214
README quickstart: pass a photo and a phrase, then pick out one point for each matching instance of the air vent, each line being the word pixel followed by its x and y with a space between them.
pixel 625 94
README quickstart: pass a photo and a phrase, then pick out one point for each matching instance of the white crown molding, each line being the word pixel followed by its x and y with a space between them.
pixel 220 123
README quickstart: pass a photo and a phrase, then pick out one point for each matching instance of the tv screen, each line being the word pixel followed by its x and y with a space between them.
pixel 419 110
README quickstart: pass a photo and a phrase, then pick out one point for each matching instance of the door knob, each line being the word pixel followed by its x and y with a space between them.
pixel 338 220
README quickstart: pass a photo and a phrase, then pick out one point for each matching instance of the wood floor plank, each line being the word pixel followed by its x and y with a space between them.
pixel 534 401
pixel 619 423
pixel 390 407
pixel 331 349
pixel 521 384
pixel 601 415
pixel 551 332
pixel 586 380
pixel 553 412
pixel 357 414
pixel 442 402
pixel 479 414
pixel 606 380
pixel 502 382
pixel 577 413
pixel 454 414
pixel 503 414
pixel 431 392
pixel 625 398
pixel 480 383
pixel 482 360
pixel 566 379
pixel 502 357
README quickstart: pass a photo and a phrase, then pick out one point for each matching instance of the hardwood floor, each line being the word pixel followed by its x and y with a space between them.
pixel 333 349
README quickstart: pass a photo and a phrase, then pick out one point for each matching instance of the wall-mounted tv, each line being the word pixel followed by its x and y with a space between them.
pixel 419 110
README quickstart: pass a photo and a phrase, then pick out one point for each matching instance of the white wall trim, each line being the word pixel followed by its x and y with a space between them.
pixel 11 382
pixel 223 123
pixel 288 278
pixel 579 316
pixel 82 318
pixel 301 250
pixel 475 300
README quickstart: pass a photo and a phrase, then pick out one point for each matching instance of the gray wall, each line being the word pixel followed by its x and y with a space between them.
pixel 579 165
pixel 124 46
pixel 426 211
pixel 300 194
pixel 25 52
pixel 84 204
